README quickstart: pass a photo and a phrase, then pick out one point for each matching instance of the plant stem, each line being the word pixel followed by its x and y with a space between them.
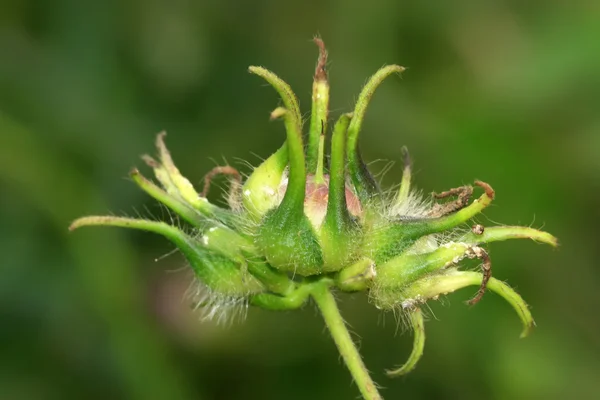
pixel 337 327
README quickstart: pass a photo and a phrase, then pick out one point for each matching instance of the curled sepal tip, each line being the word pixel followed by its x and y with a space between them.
pixel 290 101
pixel 361 177
pixel 418 324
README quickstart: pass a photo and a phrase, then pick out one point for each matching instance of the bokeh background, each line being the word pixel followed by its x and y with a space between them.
pixel 503 91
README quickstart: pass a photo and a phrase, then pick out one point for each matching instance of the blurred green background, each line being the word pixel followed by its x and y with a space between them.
pixel 503 91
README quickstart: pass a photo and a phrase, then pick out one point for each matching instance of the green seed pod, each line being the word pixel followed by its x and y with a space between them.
pixel 298 227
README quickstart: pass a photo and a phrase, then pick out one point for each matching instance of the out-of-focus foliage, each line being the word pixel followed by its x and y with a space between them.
pixel 503 91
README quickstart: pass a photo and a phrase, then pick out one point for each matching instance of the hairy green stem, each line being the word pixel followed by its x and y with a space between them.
pixel 337 327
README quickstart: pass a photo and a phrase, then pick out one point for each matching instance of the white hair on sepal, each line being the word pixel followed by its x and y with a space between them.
pixel 414 206
pixel 221 308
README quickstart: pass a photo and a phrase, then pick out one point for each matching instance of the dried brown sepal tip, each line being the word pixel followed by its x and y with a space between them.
pixel 488 189
pixel 486 268
pixel 320 70
pixel 233 173
pixel 463 195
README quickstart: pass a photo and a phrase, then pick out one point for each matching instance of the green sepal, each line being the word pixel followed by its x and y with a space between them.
pixel 217 271
pixel 500 233
pixel 339 232
pixel 289 243
pixel 364 183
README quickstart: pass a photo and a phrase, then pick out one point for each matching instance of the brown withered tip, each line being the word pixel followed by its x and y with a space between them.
pixel 320 71
pixel 488 189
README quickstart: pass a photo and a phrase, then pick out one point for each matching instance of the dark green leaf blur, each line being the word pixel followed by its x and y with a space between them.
pixel 503 91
